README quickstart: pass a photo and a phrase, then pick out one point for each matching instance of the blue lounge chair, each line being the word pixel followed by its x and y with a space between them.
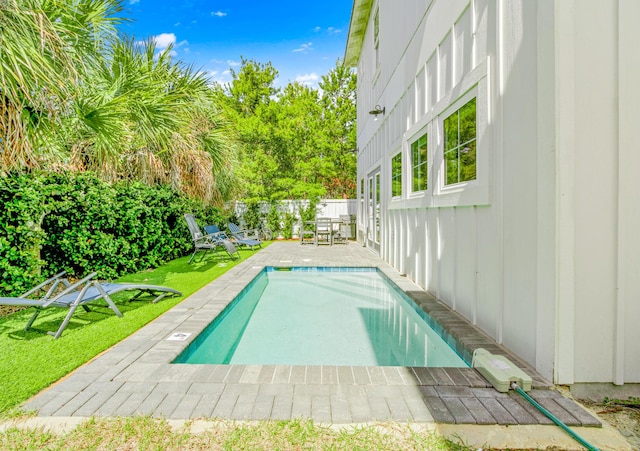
pixel 243 237
pixel 79 294
pixel 220 237
pixel 208 241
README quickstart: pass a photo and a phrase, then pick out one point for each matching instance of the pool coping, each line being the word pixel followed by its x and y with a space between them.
pixel 136 376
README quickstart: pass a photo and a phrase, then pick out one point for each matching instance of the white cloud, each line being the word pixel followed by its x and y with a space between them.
pixel 304 48
pixel 308 79
pixel 330 30
pixel 233 63
pixel 218 13
pixel 164 40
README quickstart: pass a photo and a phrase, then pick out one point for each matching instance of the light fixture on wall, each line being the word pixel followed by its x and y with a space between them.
pixel 376 111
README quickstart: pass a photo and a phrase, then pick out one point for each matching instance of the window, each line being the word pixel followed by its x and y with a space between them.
pixel 419 164
pixel 376 36
pixel 460 144
pixel 396 175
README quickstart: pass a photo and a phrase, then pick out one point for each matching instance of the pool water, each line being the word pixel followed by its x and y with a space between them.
pixel 322 316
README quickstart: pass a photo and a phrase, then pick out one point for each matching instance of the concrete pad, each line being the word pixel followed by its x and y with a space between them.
pixel 541 437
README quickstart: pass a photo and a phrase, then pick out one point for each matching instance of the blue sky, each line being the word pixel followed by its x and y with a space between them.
pixel 302 39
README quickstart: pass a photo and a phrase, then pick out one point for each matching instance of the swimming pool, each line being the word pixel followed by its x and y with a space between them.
pixel 323 316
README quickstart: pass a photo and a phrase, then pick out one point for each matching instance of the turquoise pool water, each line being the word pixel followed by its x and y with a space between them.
pixel 323 316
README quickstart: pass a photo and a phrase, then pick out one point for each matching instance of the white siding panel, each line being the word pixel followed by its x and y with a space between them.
pixel 432 81
pixel 519 171
pixel 480 45
pixel 628 308
pixel 432 246
pixel 445 66
pixel 489 271
pixel 466 257
pixel 596 199
pixel 463 46
pixel 446 256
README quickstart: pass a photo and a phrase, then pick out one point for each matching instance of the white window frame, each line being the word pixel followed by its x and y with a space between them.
pixel 472 192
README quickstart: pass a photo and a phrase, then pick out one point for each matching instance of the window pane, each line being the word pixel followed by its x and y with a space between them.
pixel 451 132
pixel 424 175
pixel 468 162
pixel 419 156
pixel 468 122
pixel 396 175
pixel 451 161
pixel 460 144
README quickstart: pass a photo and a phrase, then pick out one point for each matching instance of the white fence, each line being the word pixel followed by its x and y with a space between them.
pixel 326 208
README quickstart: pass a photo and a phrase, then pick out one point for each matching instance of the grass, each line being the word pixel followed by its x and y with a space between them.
pixel 32 360
pixel 144 433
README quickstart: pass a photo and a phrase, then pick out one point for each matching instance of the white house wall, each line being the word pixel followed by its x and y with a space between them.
pixel 598 245
pixel 535 251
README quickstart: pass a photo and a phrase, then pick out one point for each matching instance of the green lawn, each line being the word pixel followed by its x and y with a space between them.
pixel 33 360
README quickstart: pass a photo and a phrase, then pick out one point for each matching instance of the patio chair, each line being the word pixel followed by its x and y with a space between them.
pixel 220 237
pixel 79 294
pixel 307 232
pixel 244 237
pixel 340 235
pixel 324 231
pixel 207 242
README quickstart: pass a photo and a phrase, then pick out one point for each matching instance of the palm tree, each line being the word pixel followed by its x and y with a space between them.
pixel 44 46
pixel 140 115
pixel 74 95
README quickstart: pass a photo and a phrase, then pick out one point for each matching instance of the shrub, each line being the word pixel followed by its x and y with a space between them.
pixel 78 223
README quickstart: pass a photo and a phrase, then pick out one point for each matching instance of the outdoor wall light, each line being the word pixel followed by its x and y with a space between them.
pixel 376 111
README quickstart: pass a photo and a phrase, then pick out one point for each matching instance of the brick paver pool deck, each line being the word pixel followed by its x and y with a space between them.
pixel 135 377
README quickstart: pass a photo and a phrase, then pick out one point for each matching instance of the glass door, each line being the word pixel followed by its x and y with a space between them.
pixel 373 210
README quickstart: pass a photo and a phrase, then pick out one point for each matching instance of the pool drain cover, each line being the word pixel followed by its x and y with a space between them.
pixel 179 336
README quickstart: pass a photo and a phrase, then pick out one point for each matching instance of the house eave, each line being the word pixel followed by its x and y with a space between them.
pixel 357 28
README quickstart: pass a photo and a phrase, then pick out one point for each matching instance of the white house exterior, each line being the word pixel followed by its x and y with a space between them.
pixel 529 225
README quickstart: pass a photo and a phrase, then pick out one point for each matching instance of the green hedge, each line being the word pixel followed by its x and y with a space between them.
pixel 78 223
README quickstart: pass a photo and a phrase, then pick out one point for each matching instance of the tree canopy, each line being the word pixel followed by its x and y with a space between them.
pixel 76 95
pixel 297 142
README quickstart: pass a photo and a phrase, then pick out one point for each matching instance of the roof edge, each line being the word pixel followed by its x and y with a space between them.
pixel 360 13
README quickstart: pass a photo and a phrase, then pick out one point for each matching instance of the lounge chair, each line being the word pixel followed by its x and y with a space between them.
pixel 207 242
pixel 222 238
pixel 244 237
pixel 79 294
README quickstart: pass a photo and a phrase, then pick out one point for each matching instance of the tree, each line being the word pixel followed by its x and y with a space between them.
pixel 142 116
pixel 44 47
pixel 339 120
pixel 296 143
pixel 74 95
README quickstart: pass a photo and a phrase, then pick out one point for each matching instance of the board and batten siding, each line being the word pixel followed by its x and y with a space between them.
pixel 542 251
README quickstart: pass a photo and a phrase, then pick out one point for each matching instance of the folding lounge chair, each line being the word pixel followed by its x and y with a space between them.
pixel 244 237
pixel 207 242
pixel 220 237
pixel 79 294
